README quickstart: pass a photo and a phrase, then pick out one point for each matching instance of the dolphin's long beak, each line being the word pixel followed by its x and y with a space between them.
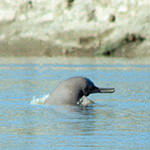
pixel 103 90
pixel 106 90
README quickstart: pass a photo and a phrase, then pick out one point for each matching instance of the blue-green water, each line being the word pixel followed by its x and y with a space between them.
pixel 118 121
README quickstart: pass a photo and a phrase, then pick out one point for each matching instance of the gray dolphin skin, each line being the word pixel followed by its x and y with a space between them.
pixel 70 91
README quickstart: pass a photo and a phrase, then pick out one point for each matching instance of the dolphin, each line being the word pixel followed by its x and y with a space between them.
pixel 70 91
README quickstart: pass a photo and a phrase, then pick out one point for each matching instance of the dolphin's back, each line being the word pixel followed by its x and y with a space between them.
pixel 67 92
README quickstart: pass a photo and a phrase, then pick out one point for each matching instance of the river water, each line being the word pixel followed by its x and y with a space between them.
pixel 118 121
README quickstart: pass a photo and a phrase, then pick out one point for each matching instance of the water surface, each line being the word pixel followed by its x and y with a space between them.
pixel 116 121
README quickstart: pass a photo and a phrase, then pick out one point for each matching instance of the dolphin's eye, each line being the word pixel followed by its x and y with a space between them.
pixel 91 87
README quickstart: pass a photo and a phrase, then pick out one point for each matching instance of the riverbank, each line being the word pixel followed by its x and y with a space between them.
pixel 76 60
pixel 91 28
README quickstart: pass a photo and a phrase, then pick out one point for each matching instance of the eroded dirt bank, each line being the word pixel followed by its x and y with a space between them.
pixel 74 28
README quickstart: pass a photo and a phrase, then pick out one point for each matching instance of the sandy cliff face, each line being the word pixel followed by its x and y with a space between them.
pixel 74 27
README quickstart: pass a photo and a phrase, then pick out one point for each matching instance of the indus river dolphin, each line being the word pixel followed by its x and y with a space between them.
pixel 71 91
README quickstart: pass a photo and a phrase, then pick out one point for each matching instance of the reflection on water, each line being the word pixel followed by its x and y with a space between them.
pixel 116 121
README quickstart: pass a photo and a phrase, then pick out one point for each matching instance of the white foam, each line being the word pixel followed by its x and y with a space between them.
pixel 40 100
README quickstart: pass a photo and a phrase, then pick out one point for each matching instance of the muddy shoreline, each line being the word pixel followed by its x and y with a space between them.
pixel 76 60
pixel 90 28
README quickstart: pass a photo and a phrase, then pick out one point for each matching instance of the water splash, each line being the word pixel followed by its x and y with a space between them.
pixel 40 100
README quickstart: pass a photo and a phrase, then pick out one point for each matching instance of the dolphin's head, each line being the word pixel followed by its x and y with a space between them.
pixel 90 88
